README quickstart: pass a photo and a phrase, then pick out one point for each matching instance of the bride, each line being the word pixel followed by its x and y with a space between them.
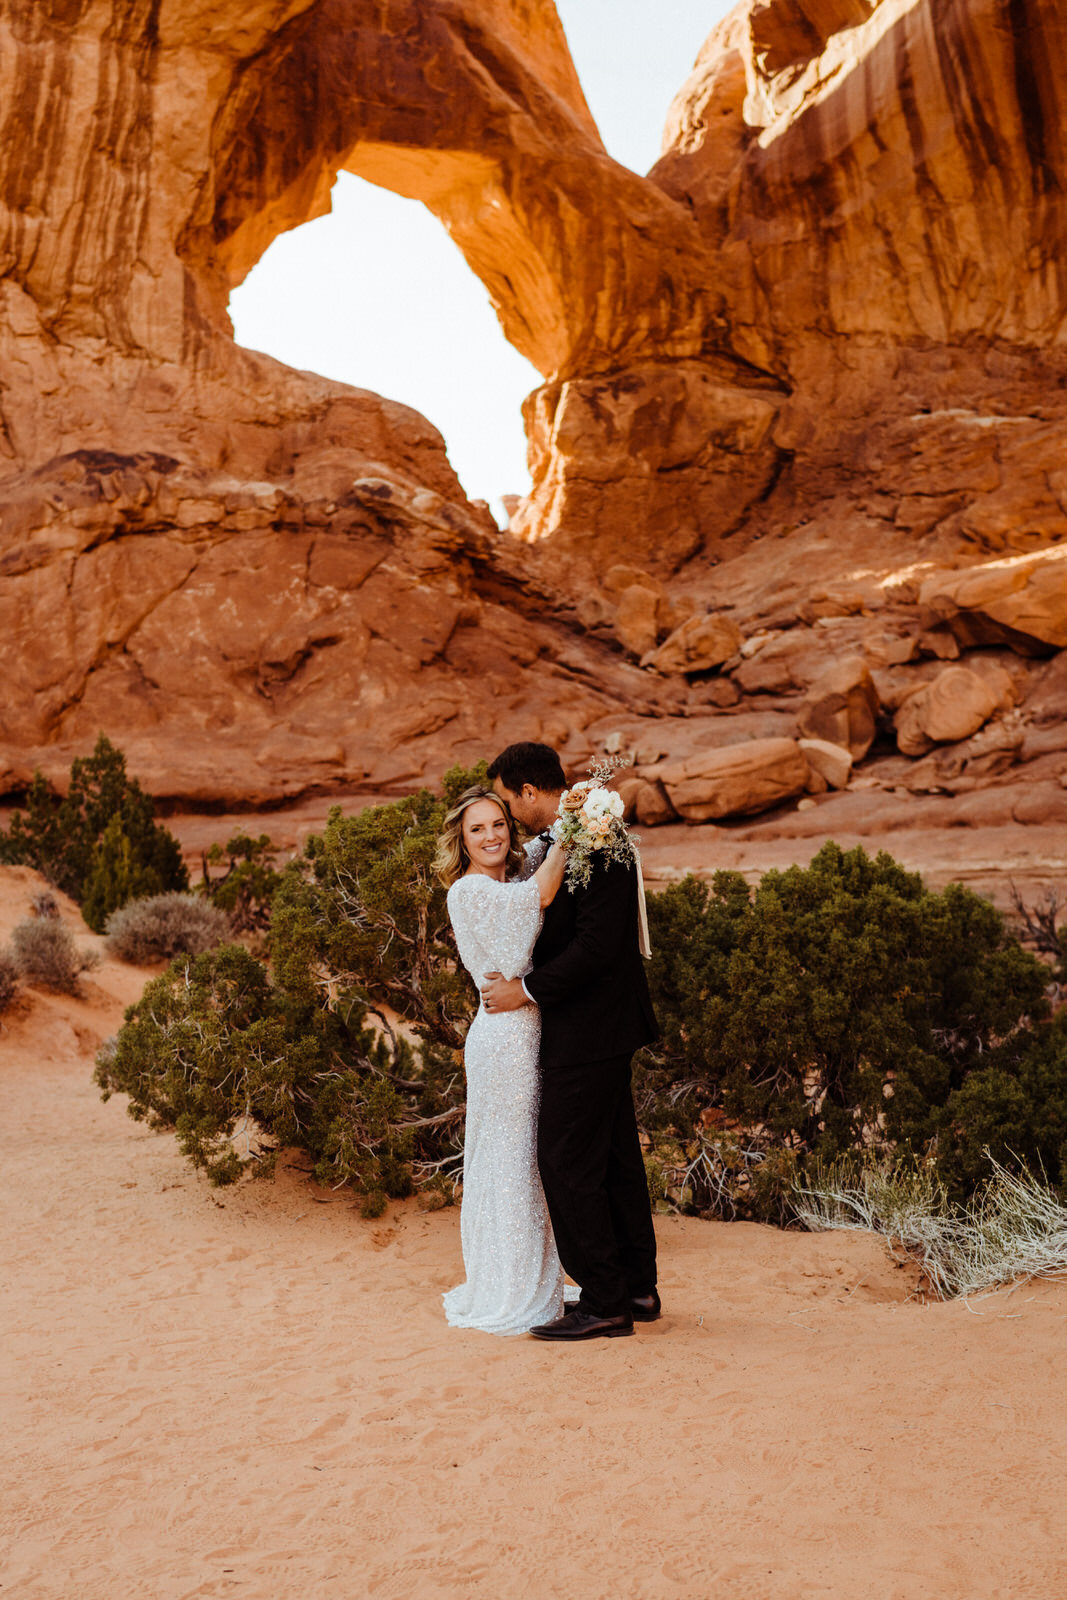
pixel 514 1278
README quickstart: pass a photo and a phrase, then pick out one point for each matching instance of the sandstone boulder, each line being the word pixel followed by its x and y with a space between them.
pixel 1021 601
pixel 645 801
pixel 674 609
pixel 627 791
pixel 832 761
pixel 623 576
pixel 1007 687
pixel 635 619
pixel 912 739
pixel 786 661
pixel 699 644
pixel 990 752
pixel 953 706
pixel 842 707
pixel 1048 697
pixel 940 643
pixel 736 780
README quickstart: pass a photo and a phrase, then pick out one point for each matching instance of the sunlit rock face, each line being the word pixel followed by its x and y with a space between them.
pixel 879 171
pixel 804 377
pixel 881 186
pixel 648 432
pixel 253 578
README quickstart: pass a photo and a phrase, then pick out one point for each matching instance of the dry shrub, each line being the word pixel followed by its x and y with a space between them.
pixel 45 905
pixel 46 954
pixel 9 978
pixel 163 926
pixel 1012 1228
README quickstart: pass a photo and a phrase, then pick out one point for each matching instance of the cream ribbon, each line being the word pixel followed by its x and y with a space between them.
pixel 644 944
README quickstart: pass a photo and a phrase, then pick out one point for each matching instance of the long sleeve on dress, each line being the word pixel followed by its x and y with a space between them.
pixel 496 924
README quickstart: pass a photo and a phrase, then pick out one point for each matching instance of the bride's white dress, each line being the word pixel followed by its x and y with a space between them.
pixel 514 1278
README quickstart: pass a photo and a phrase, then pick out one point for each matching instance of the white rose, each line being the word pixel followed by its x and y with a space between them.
pixel 616 806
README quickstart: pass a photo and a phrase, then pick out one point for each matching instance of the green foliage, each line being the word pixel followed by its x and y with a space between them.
pixel 118 873
pixel 361 918
pixel 694 928
pixel 835 1010
pixel 100 844
pixel 247 888
pixel 1014 1108
pixel 239 1060
pixel 852 979
pixel 206 1051
pixel 836 1007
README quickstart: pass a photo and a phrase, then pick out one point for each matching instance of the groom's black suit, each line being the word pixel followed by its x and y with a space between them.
pixel 589 980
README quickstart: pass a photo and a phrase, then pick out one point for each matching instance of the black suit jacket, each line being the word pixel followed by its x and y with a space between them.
pixel 588 973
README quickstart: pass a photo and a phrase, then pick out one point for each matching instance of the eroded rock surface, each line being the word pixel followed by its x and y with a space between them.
pixel 255 579
pixel 800 443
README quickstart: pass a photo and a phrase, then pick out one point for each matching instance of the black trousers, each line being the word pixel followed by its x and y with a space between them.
pixel 594 1181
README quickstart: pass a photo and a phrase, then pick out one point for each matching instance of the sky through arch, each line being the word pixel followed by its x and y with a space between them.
pixel 377 295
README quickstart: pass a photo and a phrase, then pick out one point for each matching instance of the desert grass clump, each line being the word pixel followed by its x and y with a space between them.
pixel 1014 1227
pixel 163 926
pixel 9 978
pixel 46 954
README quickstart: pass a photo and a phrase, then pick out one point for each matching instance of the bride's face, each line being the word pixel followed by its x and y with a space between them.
pixel 487 836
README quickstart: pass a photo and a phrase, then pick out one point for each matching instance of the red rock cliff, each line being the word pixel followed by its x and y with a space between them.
pixel 828 321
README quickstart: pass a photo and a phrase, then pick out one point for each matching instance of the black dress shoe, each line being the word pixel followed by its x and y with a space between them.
pixel 645 1307
pixel 579 1324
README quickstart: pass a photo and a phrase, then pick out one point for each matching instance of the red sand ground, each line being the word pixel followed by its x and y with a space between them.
pixel 252 1392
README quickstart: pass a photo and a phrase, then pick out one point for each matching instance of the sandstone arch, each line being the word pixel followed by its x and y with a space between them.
pixel 829 302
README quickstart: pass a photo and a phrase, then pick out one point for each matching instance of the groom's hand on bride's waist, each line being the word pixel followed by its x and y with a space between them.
pixel 503 994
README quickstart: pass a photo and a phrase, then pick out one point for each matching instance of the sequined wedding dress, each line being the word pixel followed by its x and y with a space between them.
pixel 514 1278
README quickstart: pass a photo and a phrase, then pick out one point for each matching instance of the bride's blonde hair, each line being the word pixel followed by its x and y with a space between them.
pixel 451 859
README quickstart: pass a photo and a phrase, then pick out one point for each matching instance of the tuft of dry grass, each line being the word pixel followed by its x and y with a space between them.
pixel 1014 1228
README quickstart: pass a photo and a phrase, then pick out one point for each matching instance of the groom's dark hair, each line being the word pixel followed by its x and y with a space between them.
pixel 537 764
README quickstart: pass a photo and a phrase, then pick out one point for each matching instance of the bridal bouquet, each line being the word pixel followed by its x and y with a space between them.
pixel 590 821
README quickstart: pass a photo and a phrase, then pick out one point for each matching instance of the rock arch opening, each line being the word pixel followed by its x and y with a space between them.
pixel 375 294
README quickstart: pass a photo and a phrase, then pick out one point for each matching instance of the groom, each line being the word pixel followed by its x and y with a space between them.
pixel 589 981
